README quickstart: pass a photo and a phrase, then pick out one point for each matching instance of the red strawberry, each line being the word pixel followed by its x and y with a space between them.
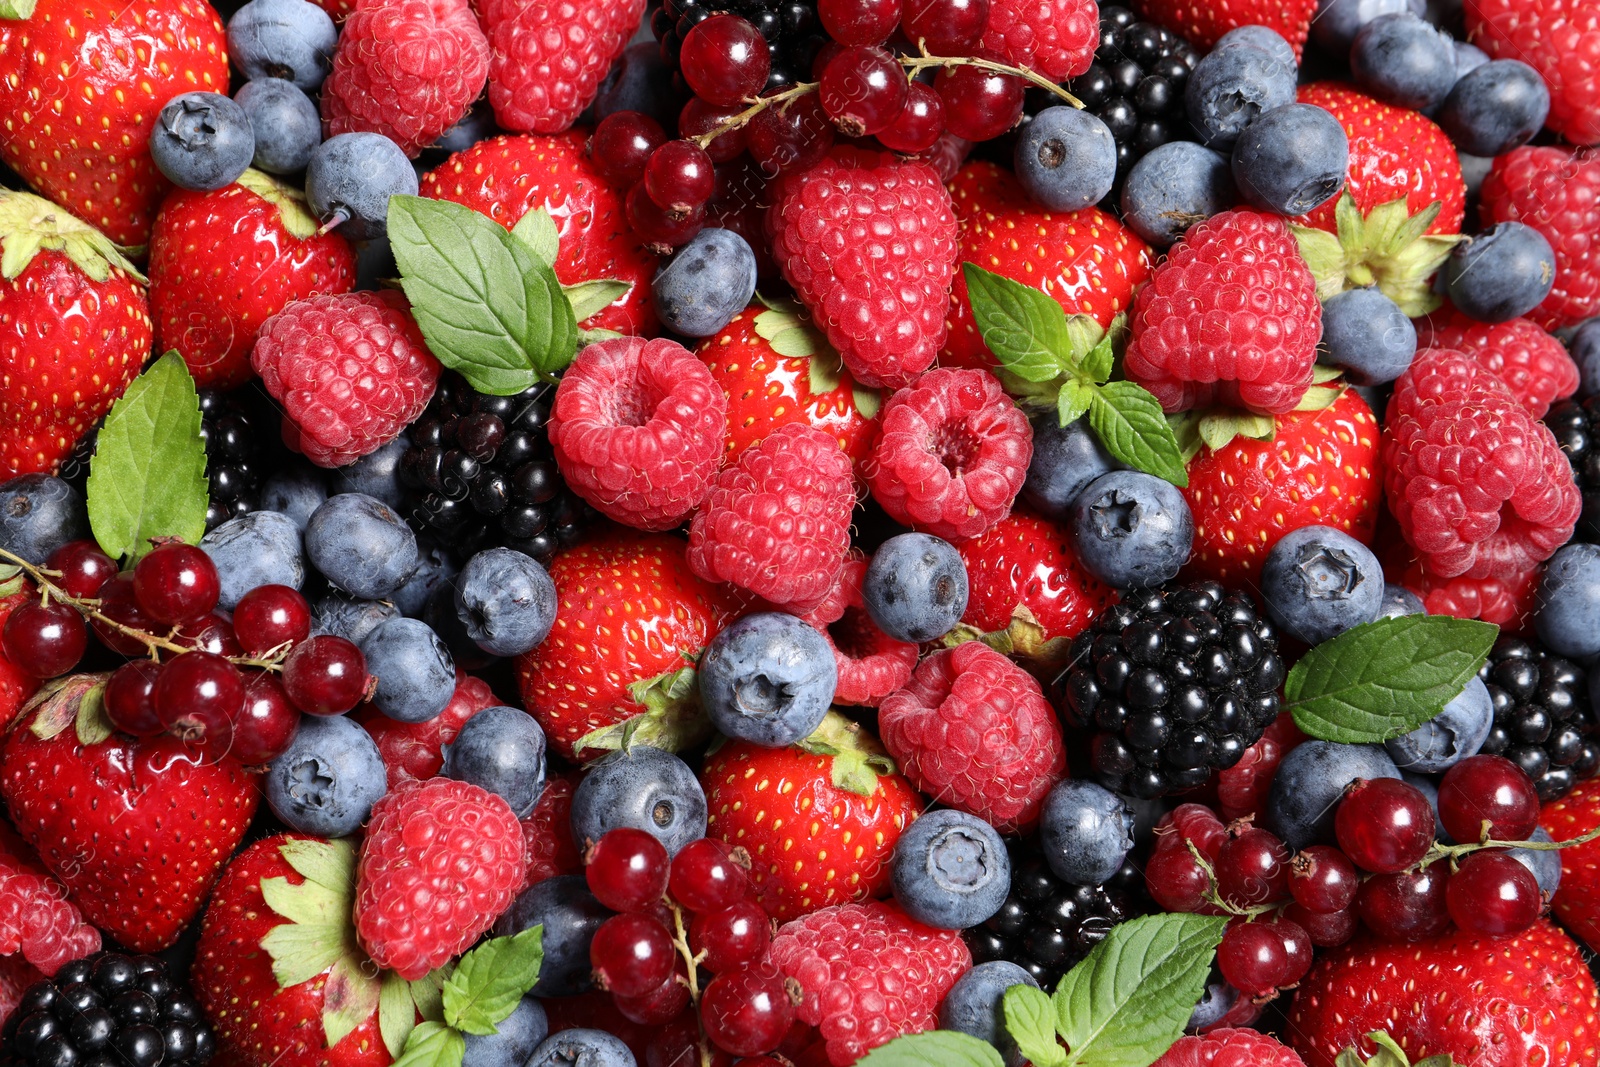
pixel 1204 24
pixel 1085 259
pixel 548 56
pixel 222 263
pixel 1558 38
pixel 1557 192
pixel 74 328
pixel 81 82
pixel 507 177
pixel 1577 899
pixel 137 830
pixel 413 751
pixel 1534 365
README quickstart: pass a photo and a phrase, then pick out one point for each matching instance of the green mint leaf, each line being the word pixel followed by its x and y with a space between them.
pixel 1074 399
pixel 491 979
pixel 397 1013
pixel 1128 1001
pixel 487 306
pixel 16 9
pixel 1130 423
pixel 433 1045
pixel 933 1048
pixel 1383 679
pixel 594 296
pixel 1098 361
pixel 537 230
pixel 1030 1020
pixel 1023 327
pixel 148 475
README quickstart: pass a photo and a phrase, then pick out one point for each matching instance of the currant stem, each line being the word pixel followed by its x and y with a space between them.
pixel 1438 852
pixel 680 941
pixel 760 104
pixel 1215 898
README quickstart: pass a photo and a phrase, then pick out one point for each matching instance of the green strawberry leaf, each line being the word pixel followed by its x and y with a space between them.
pixel 490 980
pixel 433 1045
pixel 397 1013
pixel 933 1048
pixel 858 758
pixel 1186 431
pixel 1023 326
pixel 91 725
pixel 148 475
pixel 1385 678
pixel 1388 1054
pixel 672 718
pixel 1388 247
pixel 594 296
pixel 17 10
pixel 1130 423
pixel 428 994
pixel 349 996
pixel 824 371
pixel 60 701
pixel 792 334
pixel 1030 1020
pixel 868 401
pixel 320 930
pixel 537 230
pixel 1218 426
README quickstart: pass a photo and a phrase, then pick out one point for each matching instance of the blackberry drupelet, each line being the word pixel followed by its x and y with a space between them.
pixel 483 474
pixel 791 28
pixel 1542 719
pixel 232 425
pixel 1576 425
pixel 1175 683
pixel 108 1010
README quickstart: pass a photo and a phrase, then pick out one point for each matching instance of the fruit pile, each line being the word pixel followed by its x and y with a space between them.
pixel 666 533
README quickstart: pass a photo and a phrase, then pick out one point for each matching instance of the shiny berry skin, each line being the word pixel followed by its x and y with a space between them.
pixel 621 146
pixel 130 698
pixel 1253 957
pixel 118 604
pixel 213 634
pixel 655 226
pixel 700 117
pixel 790 136
pixel 1176 880
pixel 1297 947
pixel 863 90
pixel 919 123
pixel 1494 893
pixel 1384 825
pixel 1488 789
pixel 748 1011
pixel 659 1006
pixel 945 27
pixel 199 695
pixel 1326 930
pixel 705 878
pixel 266 723
pixel 1323 880
pixel 631 955
pixel 725 59
pixel 679 177
pixel 627 870
pixel 84 568
pixel 732 937
pixel 859 22
pixel 978 104
pixel 1407 906
pixel 176 583
pixel 1252 867
pixel 325 675
pixel 46 640
pixel 271 615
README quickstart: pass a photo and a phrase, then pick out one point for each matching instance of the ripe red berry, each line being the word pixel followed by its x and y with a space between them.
pixel 859 22
pixel 46 640
pixel 84 568
pixel 1253 957
pixel 919 123
pixel 945 27
pixel 659 1006
pixel 266 723
pixel 704 876
pixel 659 231
pixel 679 177
pixel 1297 949
pixel 621 146
pixel 1406 906
pixel 631 955
pixel 198 697
pixel 271 615
pixel 1384 825
pixel 725 59
pixel 1326 930
pixel 732 937
pixel 701 117
pixel 325 675
pixel 1323 880
pixel 130 698
pixel 118 604
pixel 790 136
pixel 627 870
pixel 1176 880
pixel 176 583
pixel 863 90
pixel 212 633
pixel 1253 868
pixel 1488 794
pixel 1494 893
pixel 748 1011
pixel 978 104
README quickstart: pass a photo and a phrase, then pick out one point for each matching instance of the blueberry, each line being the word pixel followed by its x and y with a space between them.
pixel 1500 274
pixel 257 548
pixel 285 123
pixel 296 491
pixel 705 284
pixel 1496 108
pixel 289 39
pixel 1338 21
pixel 1543 862
pixel 476 125
pixel 1215 1002
pixel 1367 335
pixel 1567 605
pixel 1585 348
pixel 202 141
pixel 38 514
pixel 501 750
pixel 768 679
pixel 1232 87
pixel 1318 582
pixel 643 83
pixel 915 588
pixel 416 676
pixel 1398 600
pixel 352 620
pixel 437 570
pixel 1131 530
pixel 350 179
pixel 1265 38
pixel 1469 57
pixel 1175 187
pixel 1292 159
pixel 1311 781
pixel 506 601
pixel 1065 460
pixel 642 787
pixel 950 870
pixel 1066 159
pixel 327 780
pixel 376 474
pixel 514 1039
pixel 1402 60
pixel 361 546
pixel 1450 736
pixel 1087 832
pixel 1425 785
pixel 579 1047
pixel 975 1005
pixel 570 915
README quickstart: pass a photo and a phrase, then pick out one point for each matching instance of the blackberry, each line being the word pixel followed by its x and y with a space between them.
pixel 481 470
pixel 108 1009
pixel 1175 683
pixel 1542 719
pixel 791 28
pixel 1576 425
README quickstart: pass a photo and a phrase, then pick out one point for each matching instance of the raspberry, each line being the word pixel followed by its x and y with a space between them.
pixel 777 522
pixel 972 730
pixel 952 454
pixel 1557 192
pixel 1230 1047
pixel 408 69
pixel 548 56
pixel 1231 316
pixel 869 243
pixel 871 664
pixel 1558 38
pixel 1478 486
pixel 1505 601
pixel 1532 364
pixel 441 860
pixel 1057 38
pixel 637 430
pixel 548 833
pixel 412 751
pixel 868 974
pixel 350 371
pixel 36 919
pixel 1242 789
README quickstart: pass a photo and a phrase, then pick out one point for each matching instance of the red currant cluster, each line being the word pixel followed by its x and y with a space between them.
pixel 681 920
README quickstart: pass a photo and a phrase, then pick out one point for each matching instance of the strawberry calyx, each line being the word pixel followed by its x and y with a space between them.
pixel 293 210
pixel 1388 247
pixel 31 224
pixel 76 700
pixel 17 10
pixel 791 333
pixel 1388 1054
pixel 1023 636
pixel 672 720
pixel 1215 427
pixel 858 758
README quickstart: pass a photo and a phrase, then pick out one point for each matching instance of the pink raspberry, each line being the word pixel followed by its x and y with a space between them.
pixel 1506 601
pixel 441 860
pixel 952 454
pixel 871 664
pixel 548 57
pixel 1230 1048
pixel 37 922
pixel 412 751
pixel 1242 789
pixel 1534 365
pixel 777 522
pixel 350 371
pixel 1478 486
pixel 548 832
pixel 1057 38
pixel 1557 192
pixel 637 430
pixel 1230 316
pixel 973 731
pixel 868 973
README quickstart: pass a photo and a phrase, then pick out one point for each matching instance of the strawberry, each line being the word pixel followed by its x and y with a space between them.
pixel 223 262
pixel 820 819
pixel 67 295
pixel 506 177
pixel 547 57
pixel 81 82
pixel 137 830
pixel 1085 259
pixel 1577 899
pixel 1204 24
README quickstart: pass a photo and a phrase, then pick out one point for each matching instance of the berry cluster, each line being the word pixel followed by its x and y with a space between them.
pixel 1542 719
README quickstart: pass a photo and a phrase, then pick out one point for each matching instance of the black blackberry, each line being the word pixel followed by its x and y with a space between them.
pixel 790 27
pixel 1577 427
pixel 1175 682
pixel 1542 719
pixel 483 476
pixel 108 1010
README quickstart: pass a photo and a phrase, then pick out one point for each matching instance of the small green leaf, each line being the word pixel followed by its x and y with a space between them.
pixel 1130 423
pixel 11 579
pixel 59 703
pixel 1220 426
pixel 1186 431
pixel 790 333
pixel 92 726
pixel 349 997
pixel 491 979
pixel 433 1045
pixel 933 1048
pixel 673 718
pixel 1385 678
pixel 868 401
pixel 16 10
pixel 428 993
pixel 397 1013
pixel 319 931
pixel 1074 399
pixel 594 296
pixel 537 230
pixel 148 475
pixel 1030 1020
pixel 1097 363
pixel 824 371
pixel 1023 326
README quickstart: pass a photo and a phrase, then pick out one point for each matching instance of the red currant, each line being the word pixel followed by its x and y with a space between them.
pixel 1326 929
pixel 705 878
pixel 266 723
pixel 736 935
pixel 1253 868
pixel 199 697
pixel 46 640
pixel 325 675
pixel 790 136
pixel 863 90
pixel 919 123
pixel 945 27
pixel 130 698
pixel 725 60
pixel 621 145
pixel 1176 880
pixel 859 22
pixel 176 583
pixel 213 634
pixel 658 1006
pixel 1493 893
pixel 1405 906
pixel 1323 880
pixel 978 104
pixel 698 118
pixel 1384 825
pixel 631 955
pixel 84 568
pixel 679 1044
pixel 118 604
pixel 1297 949
pixel 627 869
pixel 271 615
pixel 679 177
pixel 748 1011
pixel 1253 957
pixel 1488 794
pixel 659 232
